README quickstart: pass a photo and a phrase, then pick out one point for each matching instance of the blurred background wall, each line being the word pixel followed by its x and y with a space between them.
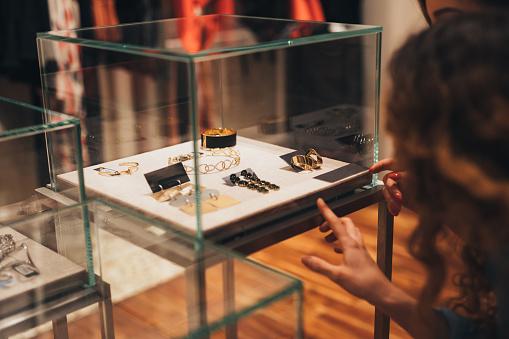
pixel 21 19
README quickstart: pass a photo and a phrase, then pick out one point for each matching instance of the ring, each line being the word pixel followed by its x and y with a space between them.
pixel 317 157
pixel 304 162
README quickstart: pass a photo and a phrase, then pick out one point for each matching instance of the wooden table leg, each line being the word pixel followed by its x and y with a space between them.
pixel 384 260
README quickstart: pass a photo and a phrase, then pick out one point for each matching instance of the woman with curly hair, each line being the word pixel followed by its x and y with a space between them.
pixel 449 116
pixel 433 11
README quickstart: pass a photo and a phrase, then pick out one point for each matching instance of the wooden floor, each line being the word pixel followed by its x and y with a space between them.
pixel 329 312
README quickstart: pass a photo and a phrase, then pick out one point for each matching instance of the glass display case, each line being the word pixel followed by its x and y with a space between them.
pixel 36 146
pixel 219 124
pixel 152 281
pixel 46 268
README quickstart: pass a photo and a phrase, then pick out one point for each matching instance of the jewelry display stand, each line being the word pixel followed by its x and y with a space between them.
pixel 264 159
pixel 269 89
pixel 272 86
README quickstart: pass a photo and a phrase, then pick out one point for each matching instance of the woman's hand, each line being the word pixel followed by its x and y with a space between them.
pixel 358 274
pixel 393 184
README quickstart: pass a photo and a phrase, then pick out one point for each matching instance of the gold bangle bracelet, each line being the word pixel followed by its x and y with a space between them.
pixel 133 167
pixel 218 138
pixel 107 172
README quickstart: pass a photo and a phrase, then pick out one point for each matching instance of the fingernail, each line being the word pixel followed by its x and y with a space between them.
pixel 394 175
pixel 397 196
pixel 370 170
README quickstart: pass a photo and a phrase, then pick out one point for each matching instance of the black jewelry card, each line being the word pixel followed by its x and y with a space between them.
pixel 341 173
pixel 167 177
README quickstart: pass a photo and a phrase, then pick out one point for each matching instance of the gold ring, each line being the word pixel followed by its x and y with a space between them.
pixel 304 162
pixel 318 158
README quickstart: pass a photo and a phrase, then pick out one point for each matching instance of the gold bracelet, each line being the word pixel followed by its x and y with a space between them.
pixel 218 138
pixel 107 172
pixel 220 166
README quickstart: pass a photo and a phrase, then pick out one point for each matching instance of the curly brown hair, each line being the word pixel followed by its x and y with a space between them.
pixel 487 3
pixel 449 115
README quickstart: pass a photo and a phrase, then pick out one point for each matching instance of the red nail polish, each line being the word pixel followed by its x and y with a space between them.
pixel 397 196
pixel 395 207
pixel 394 175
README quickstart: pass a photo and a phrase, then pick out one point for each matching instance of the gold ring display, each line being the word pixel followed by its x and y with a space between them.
pixel 308 162
pixel 218 138
pixel 304 162
pixel 311 153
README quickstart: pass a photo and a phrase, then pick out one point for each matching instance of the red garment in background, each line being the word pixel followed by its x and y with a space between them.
pixel 197 35
pixel 310 10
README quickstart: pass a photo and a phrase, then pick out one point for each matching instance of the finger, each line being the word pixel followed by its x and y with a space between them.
pixel 324 227
pixel 388 197
pixel 393 190
pixel 330 238
pixel 352 230
pixel 393 206
pixel 321 266
pixel 333 221
pixel 394 209
pixel 388 164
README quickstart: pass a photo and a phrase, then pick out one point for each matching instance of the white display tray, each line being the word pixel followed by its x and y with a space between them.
pixel 263 158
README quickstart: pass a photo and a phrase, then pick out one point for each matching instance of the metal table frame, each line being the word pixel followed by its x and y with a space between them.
pixel 56 311
pixel 307 219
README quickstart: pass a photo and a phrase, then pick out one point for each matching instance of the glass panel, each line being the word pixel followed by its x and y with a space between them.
pixel 210 36
pixel 165 285
pixel 264 91
pixel 44 258
pixel 36 146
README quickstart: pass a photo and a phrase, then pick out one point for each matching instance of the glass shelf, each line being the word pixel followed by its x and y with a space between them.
pixel 157 282
pixel 36 146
